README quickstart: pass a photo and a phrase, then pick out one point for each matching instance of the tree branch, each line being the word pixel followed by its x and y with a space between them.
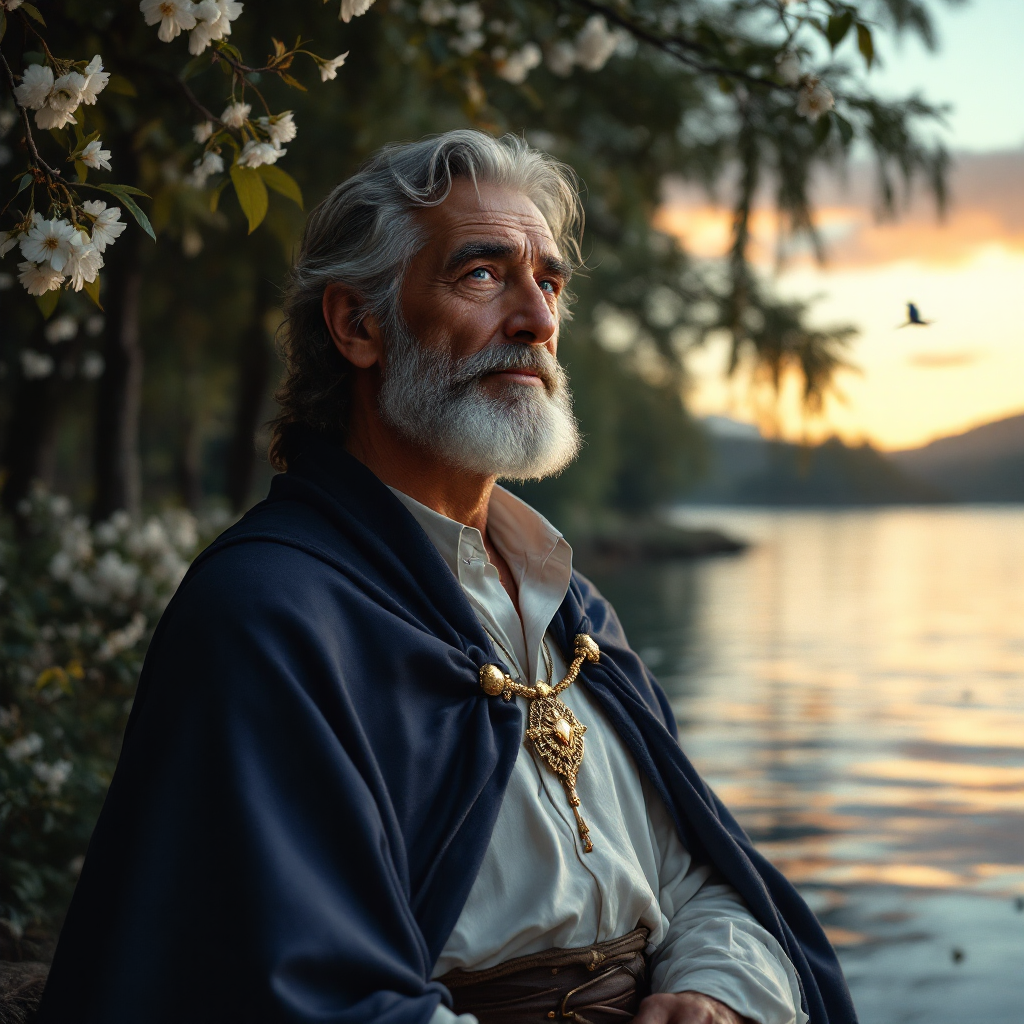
pixel 679 47
pixel 37 161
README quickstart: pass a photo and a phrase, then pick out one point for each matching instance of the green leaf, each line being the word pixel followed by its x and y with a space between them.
pixel 121 191
pixel 196 66
pixel 252 194
pixel 33 12
pixel 33 57
pixel 26 180
pixel 215 195
pixel 82 170
pixel 3 24
pixel 131 190
pixel 47 302
pixel 293 82
pixel 865 44
pixel 822 130
pixel 93 291
pixel 838 26
pixel 282 182
pixel 122 86
pixel 845 128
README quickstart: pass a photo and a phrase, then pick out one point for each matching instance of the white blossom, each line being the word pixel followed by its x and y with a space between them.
pixel 52 775
pixel 60 328
pixel 173 15
pixel 467 42
pixel 84 265
pixel 213 21
pixel 48 241
pixel 353 9
pixel 95 156
pixel 123 639
pixel 235 114
pixel 256 154
pixel 208 164
pixel 469 17
pixel 36 83
pixel 38 280
pixel 561 58
pixel 280 127
pixel 112 577
pixel 433 12
pixel 27 746
pixel 66 93
pixel 595 43
pixel 36 365
pixel 329 68
pixel 787 67
pixel 95 80
pixel 814 100
pixel 107 226
pixel 11 5
pixel 516 66
pixel 202 132
pixel 93 366
pixel 182 529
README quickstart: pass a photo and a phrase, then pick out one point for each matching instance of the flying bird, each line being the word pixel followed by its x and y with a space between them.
pixel 914 318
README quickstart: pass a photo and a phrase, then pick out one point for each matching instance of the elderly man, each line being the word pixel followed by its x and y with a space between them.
pixel 392 758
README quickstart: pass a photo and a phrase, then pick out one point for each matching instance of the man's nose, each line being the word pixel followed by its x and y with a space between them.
pixel 530 319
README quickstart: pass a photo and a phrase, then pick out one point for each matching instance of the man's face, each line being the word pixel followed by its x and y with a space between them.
pixel 471 371
pixel 489 274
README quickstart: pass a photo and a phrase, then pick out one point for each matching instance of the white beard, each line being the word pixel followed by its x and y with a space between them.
pixel 522 432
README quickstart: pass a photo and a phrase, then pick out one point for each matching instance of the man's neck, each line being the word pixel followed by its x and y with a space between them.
pixel 419 472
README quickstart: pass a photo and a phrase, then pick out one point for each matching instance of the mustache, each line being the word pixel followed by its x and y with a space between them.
pixel 503 358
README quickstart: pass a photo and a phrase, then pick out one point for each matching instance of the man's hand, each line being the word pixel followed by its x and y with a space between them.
pixel 686 1008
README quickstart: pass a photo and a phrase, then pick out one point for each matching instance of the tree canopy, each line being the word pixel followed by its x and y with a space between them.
pixel 124 122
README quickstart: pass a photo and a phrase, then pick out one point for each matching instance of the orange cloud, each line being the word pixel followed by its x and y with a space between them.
pixel 987 208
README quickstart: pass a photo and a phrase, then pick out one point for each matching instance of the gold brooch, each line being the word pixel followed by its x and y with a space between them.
pixel 556 733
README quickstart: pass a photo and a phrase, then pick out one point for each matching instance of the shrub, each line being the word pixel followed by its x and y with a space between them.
pixel 78 604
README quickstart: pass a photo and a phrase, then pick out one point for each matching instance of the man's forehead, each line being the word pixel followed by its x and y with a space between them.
pixel 491 214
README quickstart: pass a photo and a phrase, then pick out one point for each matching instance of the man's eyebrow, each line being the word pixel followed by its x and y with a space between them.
pixel 556 265
pixel 502 251
pixel 479 251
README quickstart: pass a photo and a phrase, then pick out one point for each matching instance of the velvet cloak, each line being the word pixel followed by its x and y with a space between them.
pixel 311 775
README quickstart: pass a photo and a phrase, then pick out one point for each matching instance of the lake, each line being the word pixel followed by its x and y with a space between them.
pixel 853 688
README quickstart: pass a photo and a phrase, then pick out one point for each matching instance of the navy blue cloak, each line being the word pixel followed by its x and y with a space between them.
pixel 311 774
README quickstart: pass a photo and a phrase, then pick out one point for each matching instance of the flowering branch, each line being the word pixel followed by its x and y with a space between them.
pixel 30 142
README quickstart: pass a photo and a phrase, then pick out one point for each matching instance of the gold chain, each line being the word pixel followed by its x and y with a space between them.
pixel 556 733
pixel 545 650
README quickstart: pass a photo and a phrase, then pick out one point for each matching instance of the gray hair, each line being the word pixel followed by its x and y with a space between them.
pixel 365 234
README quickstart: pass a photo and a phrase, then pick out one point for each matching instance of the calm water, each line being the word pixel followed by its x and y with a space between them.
pixel 853 687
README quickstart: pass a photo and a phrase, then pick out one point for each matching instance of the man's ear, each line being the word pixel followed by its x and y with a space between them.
pixel 356 337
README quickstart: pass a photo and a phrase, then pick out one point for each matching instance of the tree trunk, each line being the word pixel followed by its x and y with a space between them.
pixel 29 433
pixel 254 363
pixel 119 395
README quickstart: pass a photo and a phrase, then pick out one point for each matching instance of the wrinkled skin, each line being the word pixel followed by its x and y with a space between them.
pixel 686 1008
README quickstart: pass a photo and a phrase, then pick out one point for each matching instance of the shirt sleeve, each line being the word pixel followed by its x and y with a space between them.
pixel 713 944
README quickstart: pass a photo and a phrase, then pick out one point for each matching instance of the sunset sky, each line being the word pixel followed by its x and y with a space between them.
pixel 966 273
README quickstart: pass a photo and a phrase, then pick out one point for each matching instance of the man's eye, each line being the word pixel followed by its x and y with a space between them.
pixel 548 286
pixel 480 274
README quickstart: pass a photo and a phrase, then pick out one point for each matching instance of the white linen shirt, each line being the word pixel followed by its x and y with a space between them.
pixel 536 888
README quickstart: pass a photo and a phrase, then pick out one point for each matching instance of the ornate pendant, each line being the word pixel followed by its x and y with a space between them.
pixel 557 736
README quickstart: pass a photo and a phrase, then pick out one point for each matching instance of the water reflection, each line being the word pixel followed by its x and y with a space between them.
pixel 853 687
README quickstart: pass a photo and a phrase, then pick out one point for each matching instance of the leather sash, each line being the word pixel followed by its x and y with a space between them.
pixel 600 984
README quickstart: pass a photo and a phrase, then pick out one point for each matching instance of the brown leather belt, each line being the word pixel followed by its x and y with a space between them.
pixel 601 984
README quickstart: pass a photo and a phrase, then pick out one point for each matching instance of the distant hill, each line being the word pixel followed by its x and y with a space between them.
pixel 983 464
pixel 758 472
